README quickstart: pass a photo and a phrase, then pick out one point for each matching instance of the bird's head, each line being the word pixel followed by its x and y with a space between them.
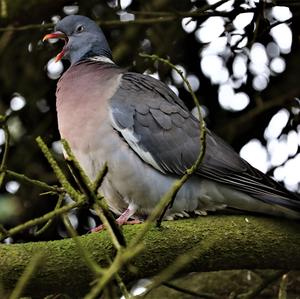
pixel 83 39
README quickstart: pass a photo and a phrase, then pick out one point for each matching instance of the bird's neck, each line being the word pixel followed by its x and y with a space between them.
pixel 105 54
pixel 101 58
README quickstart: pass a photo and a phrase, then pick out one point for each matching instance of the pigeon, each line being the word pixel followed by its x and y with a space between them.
pixel 148 137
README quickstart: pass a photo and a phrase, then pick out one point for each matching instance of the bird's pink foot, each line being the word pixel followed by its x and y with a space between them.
pixel 133 221
pixel 123 219
pixel 120 222
pixel 97 228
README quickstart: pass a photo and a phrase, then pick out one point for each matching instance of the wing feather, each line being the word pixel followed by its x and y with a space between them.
pixel 167 137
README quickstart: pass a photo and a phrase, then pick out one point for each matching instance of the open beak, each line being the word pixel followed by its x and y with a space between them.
pixel 59 35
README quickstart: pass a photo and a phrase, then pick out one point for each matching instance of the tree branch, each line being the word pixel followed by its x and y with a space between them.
pixel 265 243
pixel 156 17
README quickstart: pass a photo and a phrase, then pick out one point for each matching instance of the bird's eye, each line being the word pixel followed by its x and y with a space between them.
pixel 79 29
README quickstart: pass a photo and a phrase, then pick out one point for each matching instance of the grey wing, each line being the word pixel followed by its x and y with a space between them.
pixel 161 130
pixel 156 123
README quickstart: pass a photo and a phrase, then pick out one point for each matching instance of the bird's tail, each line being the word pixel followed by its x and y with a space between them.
pixel 288 207
pixel 285 204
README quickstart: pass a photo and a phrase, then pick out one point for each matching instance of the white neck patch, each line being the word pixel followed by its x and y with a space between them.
pixel 101 59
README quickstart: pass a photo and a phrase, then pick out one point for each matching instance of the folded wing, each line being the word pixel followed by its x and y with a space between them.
pixel 157 125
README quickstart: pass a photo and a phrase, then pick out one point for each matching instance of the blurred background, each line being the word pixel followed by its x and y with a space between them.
pixel 242 59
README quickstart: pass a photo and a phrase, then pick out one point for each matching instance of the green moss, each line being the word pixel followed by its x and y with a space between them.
pixel 229 242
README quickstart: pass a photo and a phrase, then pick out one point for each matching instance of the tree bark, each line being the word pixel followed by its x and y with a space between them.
pixel 230 242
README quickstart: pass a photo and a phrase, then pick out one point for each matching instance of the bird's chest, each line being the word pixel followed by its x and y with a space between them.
pixel 90 136
pixel 95 142
pixel 83 114
pixel 124 179
pixel 81 123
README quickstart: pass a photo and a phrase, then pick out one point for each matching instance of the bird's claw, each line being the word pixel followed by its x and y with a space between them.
pixel 120 221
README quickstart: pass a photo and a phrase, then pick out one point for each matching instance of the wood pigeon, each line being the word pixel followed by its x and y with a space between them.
pixel 148 137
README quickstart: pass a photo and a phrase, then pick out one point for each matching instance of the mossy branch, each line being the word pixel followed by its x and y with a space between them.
pixel 265 243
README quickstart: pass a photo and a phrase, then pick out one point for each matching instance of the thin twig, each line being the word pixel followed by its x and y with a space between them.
pixel 167 198
pixel 49 222
pixel 5 153
pixel 39 220
pixel 282 294
pixel 93 266
pixel 88 188
pixel 211 6
pixel 113 235
pixel 27 27
pixel 123 257
pixel 58 172
pixel 250 115
pixel 123 288
pixel 3 9
pixel 23 178
pixel 258 15
pixel 267 29
pixel 3 230
pixel 253 293
pixel 100 177
pixel 161 17
pixel 202 140
pixel 180 262
pixel 121 284
pixel 27 274
pixel 81 177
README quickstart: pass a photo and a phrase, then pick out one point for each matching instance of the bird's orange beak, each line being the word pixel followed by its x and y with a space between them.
pixel 59 35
